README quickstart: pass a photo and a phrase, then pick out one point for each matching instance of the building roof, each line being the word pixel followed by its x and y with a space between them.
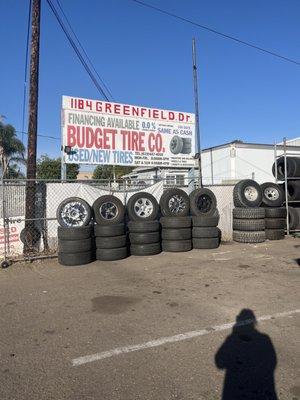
pixel 241 144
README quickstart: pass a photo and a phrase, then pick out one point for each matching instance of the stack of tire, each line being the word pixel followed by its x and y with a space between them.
pixel 75 233
pixel 144 229
pixel 205 217
pixel 180 145
pixel 293 187
pixel 248 217
pixel 275 214
pixel 175 221
pixel 109 230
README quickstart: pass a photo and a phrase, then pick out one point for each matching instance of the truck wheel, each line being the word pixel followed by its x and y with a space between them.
pixel 203 202
pixel 73 212
pixel 142 206
pixel 272 194
pixel 176 144
pixel 174 202
pixel 247 193
pixel 108 210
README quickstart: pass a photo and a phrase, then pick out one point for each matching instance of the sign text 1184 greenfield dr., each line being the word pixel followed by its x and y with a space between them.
pixel 120 134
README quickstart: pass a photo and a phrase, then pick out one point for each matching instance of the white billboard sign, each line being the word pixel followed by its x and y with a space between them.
pixel 120 134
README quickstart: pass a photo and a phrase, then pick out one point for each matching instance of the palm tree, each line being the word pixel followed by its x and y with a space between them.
pixel 11 149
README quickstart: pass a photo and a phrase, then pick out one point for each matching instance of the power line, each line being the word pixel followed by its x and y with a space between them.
pixel 217 32
pixel 71 41
pixel 40 135
pixel 26 69
pixel 82 48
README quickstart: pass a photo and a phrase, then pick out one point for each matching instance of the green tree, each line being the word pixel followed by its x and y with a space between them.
pixel 13 172
pixel 11 149
pixel 107 171
pixel 50 168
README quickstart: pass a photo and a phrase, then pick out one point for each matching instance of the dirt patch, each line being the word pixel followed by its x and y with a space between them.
pixel 112 304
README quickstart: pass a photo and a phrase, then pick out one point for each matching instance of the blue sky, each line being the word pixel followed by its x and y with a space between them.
pixel 145 58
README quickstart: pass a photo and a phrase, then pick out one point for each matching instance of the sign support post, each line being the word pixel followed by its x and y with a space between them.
pixel 198 142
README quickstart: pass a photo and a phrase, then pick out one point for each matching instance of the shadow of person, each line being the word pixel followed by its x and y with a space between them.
pixel 249 359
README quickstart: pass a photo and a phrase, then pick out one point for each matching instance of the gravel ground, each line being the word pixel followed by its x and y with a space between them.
pixel 51 315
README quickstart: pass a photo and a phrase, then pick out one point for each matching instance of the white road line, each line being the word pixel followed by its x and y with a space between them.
pixel 172 339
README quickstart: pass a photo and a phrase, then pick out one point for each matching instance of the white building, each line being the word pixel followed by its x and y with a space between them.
pixel 223 164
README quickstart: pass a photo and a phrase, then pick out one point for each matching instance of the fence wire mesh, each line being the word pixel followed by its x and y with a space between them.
pixel 28 229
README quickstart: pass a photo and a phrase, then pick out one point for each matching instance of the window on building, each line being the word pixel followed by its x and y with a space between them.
pixel 175 180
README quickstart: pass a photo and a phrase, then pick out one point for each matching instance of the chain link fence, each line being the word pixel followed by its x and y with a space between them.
pixel 29 230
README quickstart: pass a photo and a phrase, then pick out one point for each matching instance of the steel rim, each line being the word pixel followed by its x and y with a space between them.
pixel 109 210
pixel 143 207
pixel 74 214
pixel 251 193
pixel 204 203
pixel 177 204
pixel 271 193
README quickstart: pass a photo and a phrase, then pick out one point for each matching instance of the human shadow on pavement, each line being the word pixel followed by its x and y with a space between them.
pixel 249 358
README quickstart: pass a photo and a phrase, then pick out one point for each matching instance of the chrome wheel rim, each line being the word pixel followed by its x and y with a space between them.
pixel 251 193
pixel 143 207
pixel 177 204
pixel 271 193
pixel 109 211
pixel 74 214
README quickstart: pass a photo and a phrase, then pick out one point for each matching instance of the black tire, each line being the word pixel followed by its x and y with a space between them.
pixel 145 249
pixel 176 245
pixel 272 195
pixel 187 141
pixel 174 203
pixel 142 206
pixel 30 236
pixel 248 224
pixel 176 222
pixel 275 223
pixel 108 210
pixel 72 259
pixel 206 221
pixel 249 237
pixel 292 167
pixel 203 202
pixel 111 254
pixel 111 242
pixel 109 230
pixel 187 147
pixel 247 193
pixel 277 212
pixel 75 246
pixel 209 232
pixel 275 234
pixel 293 188
pixel 186 150
pixel 73 212
pixel 176 234
pixel 294 218
pixel 206 243
pixel 176 144
pixel 83 232
pixel 143 226
pixel 249 213
pixel 144 238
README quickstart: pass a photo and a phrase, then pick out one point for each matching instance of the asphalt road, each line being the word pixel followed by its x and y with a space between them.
pixel 51 316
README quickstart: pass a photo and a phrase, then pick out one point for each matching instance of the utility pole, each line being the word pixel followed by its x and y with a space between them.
pixel 32 125
pixel 197 113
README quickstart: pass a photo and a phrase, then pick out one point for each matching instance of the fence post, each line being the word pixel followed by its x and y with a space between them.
pixel 4 219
